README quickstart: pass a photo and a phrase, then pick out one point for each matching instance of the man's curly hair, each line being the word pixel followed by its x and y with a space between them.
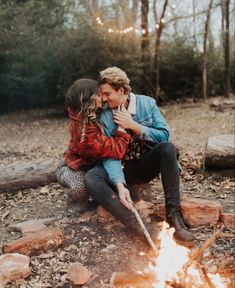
pixel 116 77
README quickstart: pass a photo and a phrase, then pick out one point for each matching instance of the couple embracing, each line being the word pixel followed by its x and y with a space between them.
pixel 117 139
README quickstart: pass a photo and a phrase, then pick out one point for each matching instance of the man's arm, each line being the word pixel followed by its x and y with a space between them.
pixel 157 131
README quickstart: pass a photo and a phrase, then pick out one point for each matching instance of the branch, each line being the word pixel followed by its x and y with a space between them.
pixel 191 15
pixel 206 244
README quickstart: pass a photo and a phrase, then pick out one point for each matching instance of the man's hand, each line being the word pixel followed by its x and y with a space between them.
pixel 124 195
pixel 123 119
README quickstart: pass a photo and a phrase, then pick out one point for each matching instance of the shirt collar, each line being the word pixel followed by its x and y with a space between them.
pixel 132 104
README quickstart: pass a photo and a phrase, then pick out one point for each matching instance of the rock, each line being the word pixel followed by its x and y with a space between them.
pixel 104 213
pixel 13 267
pixel 78 274
pixel 160 211
pixel 228 219
pixel 36 243
pixel 109 249
pixel 88 215
pixel 139 191
pixel 28 227
pixel 196 211
pixel 146 209
pixel 31 225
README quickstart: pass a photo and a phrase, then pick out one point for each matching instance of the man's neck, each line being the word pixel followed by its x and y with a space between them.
pixel 126 101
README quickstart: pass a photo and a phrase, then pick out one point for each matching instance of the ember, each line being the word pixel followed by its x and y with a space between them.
pixel 174 266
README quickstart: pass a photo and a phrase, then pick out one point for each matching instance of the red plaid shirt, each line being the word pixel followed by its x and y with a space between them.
pixel 95 144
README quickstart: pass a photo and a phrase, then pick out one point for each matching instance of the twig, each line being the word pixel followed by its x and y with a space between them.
pixel 174 284
pixel 146 233
pixel 226 235
pixel 205 276
pixel 207 243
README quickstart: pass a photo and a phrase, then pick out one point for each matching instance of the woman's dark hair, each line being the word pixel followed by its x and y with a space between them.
pixel 79 94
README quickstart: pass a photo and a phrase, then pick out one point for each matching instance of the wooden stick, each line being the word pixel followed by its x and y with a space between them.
pixel 146 233
pixel 205 276
pixel 207 243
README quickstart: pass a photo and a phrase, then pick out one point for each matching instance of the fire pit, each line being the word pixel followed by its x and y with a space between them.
pixel 174 266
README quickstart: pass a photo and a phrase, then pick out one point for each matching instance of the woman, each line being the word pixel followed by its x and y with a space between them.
pixel 87 143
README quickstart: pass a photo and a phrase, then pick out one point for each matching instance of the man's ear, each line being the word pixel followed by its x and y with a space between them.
pixel 121 91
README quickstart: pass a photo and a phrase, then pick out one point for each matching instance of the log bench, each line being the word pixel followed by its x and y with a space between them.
pixel 219 155
pixel 27 175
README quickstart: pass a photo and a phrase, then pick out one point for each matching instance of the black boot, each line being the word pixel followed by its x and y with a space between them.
pixel 182 235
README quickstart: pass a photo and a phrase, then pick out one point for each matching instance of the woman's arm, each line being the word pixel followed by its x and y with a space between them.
pixel 97 145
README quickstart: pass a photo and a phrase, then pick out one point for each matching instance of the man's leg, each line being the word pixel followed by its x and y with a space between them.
pixel 161 159
pixel 96 180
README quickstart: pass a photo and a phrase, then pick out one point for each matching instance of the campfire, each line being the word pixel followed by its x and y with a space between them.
pixel 174 266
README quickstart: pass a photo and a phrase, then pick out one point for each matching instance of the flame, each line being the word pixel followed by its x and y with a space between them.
pixel 170 266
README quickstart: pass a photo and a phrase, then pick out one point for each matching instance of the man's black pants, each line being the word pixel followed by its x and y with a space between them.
pixel 161 159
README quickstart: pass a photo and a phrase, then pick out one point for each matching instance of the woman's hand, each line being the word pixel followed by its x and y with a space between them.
pixel 124 195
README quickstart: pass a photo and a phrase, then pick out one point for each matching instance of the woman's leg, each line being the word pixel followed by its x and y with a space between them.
pixel 77 195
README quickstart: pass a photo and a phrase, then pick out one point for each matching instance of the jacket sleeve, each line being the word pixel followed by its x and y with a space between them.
pixel 97 145
pixel 158 130
pixel 114 170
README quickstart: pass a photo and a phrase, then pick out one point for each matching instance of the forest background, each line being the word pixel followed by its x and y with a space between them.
pixel 170 49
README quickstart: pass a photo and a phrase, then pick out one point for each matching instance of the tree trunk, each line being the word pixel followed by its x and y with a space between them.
pixel 27 175
pixel 160 26
pixel 145 56
pixel 204 61
pixel 226 51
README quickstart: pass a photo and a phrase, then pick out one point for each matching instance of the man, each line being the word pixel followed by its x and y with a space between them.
pixel 141 117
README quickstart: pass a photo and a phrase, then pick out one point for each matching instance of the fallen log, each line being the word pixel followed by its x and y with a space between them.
pixel 220 152
pixel 27 175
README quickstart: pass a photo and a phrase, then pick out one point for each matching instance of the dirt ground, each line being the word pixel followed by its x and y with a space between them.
pixel 42 134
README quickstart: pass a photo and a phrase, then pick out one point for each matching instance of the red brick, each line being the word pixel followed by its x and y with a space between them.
pixel 36 243
pixel 228 219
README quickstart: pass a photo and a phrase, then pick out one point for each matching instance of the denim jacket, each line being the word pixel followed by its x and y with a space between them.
pixel 153 127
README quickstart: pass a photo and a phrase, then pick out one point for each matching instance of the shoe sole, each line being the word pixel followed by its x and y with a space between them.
pixel 187 244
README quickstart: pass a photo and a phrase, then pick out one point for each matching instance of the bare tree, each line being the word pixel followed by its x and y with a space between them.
pixel 204 55
pixel 133 11
pixel 194 24
pixel 226 49
pixel 159 27
pixel 145 52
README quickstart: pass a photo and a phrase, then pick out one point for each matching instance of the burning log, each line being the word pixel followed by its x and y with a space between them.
pixel 123 279
pixel 174 266
pixel 205 276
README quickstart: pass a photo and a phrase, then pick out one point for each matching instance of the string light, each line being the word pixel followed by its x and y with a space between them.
pixel 127 29
pixel 118 31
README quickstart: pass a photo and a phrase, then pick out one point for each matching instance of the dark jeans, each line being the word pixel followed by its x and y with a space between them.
pixel 161 159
